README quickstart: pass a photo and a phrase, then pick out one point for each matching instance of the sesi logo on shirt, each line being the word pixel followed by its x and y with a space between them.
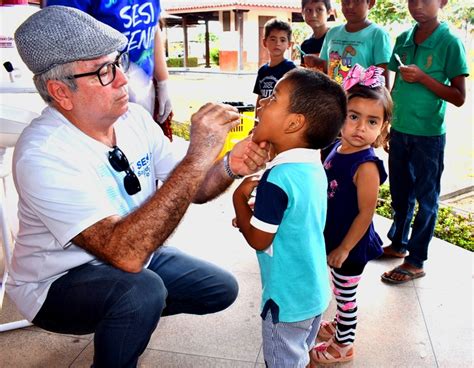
pixel 138 34
pixel 143 166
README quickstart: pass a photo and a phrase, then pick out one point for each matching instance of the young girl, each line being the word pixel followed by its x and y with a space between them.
pixel 358 41
pixel 354 174
pixel 315 14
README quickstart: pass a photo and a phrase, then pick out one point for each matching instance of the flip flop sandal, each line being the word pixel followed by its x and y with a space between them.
pixel 409 276
pixel 327 330
pixel 320 354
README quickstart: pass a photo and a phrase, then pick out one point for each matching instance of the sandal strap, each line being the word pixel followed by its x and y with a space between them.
pixel 403 271
pixel 322 354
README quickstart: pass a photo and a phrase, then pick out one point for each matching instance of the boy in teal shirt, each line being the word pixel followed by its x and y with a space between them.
pixel 431 67
pixel 359 41
pixel 304 114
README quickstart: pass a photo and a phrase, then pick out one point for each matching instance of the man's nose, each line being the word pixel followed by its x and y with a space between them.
pixel 121 78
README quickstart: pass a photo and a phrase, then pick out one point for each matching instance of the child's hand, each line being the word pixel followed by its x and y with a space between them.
pixel 337 257
pixel 311 60
pixel 245 188
pixel 411 73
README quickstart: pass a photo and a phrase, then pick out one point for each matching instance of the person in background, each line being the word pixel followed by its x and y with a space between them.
pixel 88 256
pixel 354 174
pixel 304 114
pixel 431 69
pixel 315 14
pixel 359 41
pixel 277 39
pixel 148 75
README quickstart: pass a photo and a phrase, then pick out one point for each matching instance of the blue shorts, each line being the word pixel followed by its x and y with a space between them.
pixel 287 344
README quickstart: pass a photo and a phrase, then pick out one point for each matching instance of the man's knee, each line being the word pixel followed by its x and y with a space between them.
pixel 228 294
pixel 142 295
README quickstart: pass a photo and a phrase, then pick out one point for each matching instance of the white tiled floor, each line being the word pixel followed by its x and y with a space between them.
pixel 427 323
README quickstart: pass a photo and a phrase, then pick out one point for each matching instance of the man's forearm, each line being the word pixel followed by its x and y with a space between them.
pixel 215 183
pixel 128 242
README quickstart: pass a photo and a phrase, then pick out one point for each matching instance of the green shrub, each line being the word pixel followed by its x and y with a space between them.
pixel 179 62
pixel 455 229
pixel 450 226
pixel 214 55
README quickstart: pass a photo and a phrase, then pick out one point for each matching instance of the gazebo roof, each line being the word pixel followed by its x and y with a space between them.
pixel 177 6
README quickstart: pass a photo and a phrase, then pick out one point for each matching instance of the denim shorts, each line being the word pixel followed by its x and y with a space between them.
pixel 287 344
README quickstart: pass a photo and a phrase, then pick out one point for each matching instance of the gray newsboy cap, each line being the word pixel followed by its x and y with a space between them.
pixel 58 35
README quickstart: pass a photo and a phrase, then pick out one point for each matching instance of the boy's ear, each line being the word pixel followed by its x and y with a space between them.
pixel 290 45
pixel 264 42
pixel 294 123
pixel 443 3
pixel 371 4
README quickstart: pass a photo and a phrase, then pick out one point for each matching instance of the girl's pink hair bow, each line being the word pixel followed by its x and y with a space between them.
pixel 371 77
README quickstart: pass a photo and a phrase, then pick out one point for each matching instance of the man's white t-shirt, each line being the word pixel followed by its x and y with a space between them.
pixel 66 184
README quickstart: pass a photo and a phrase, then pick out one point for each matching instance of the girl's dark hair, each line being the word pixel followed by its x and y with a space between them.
pixel 321 101
pixel 379 94
pixel 327 3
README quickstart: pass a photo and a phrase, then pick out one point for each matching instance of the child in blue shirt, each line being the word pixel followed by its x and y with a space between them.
pixel 304 114
pixel 354 175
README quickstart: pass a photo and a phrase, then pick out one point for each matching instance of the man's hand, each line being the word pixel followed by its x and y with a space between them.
pixel 248 157
pixel 411 73
pixel 163 100
pixel 209 128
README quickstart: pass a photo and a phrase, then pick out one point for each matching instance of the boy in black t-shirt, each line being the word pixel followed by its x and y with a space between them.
pixel 277 39
pixel 315 14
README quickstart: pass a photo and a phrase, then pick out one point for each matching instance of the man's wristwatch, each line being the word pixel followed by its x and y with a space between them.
pixel 227 168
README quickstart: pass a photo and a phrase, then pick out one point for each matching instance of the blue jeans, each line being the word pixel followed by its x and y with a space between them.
pixel 415 168
pixel 123 309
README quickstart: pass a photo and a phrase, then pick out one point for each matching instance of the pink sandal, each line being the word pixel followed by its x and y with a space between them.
pixel 320 354
pixel 327 330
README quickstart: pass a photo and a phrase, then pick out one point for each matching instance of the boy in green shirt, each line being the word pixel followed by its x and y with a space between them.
pixel 431 67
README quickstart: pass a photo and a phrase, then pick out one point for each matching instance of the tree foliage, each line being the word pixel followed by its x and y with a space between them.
pixel 460 13
pixel 201 37
pixel 387 12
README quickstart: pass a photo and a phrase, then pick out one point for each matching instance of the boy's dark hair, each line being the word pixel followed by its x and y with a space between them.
pixel 279 25
pixel 379 94
pixel 321 101
pixel 327 3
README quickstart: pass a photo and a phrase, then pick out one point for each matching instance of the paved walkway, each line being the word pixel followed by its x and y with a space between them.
pixel 425 323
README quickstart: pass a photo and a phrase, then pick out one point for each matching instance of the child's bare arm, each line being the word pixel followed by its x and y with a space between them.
pixel 454 93
pixel 312 61
pixel 367 181
pixel 257 239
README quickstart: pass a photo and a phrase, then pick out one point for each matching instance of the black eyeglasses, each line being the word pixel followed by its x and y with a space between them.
pixel 107 72
pixel 120 163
